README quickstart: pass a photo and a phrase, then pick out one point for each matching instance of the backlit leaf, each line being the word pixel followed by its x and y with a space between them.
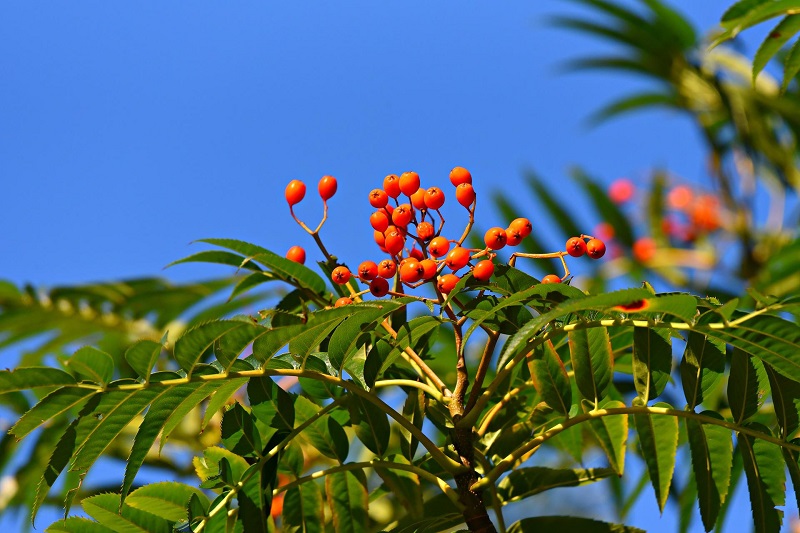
pixel 658 439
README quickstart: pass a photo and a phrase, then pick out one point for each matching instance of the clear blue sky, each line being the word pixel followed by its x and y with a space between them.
pixel 129 129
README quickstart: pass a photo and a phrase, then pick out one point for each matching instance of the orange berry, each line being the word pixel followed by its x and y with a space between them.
pixel 340 275
pixel 621 190
pixel 495 238
pixel 295 192
pixel 604 230
pixel 387 268
pixel 595 248
pixel 418 199
pixel 447 283
pixel 296 254
pixel 522 226
pixel 409 183
pixel 327 187
pixel 395 242
pixel 391 184
pixel 439 246
pixel 576 246
pixel 483 270
pixel 434 198
pixel 344 300
pixel 429 268
pixel 411 271
pixel 705 213
pixel 379 287
pixel 425 231
pixel 680 197
pixel 551 278
pixel 378 198
pixel 402 215
pixel 457 258
pixel 380 238
pixel 379 220
pixel 417 254
pixel 513 237
pixel 460 175
pixel 465 195
pixel 367 270
pixel 644 249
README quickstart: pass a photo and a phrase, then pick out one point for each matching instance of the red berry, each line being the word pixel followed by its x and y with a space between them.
pixel 551 278
pixel 644 249
pixel 460 175
pixel 387 268
pixel 395 242
pixel 379 220
pixel 391 184
pixel 439 246
pixel 483 270
pixel 457 258
pixel 340 275
pixel 495 238
pixel 604 230
pixel 378 198
pixel 522 226
pixel 418 199
pixel 680 197
pixel 425 230
pixel 367 271
pixel 327 187
pixel 429 268
pixel 621 190
pixel 402 215
pixel 409 183
pixel 344 300
pixel 576 247
pixel 379 287
pixel 434 198
pixel 465 194
pixel 447 283
pixel 595 248
pixel 295 192
pixel 411 271
pixel 296 254
pixel 417 254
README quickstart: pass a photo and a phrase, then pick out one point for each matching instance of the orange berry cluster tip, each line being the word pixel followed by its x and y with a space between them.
pixel 594 248
pixel 296 190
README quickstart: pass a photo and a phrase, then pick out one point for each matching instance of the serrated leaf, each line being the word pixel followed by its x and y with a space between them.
pixel 658 440
pixel 652 361
pixel 209 467
pixel 786 401
pixel 766 480
pixel 239 433
pixel 590 352
pixel 33 377
pixel 166 499
pixel 187 405
pixel 414 411
pixel 76 524
pixel 525 482
pixel 189 349
pixel 711 450
pixel 612 435
pixel 747 386
pixel 105 508
pixel 93 364
pixel 304 509
pixel 774 41
pixel 569 523
pixel 57 402
pixel 272 405
pixel 791 65
pixel 790 457
pixel 228 347
pixel 550 377
pixel 142 356
pixel 371 425
pixel 347 337
pixel 325 433
pixel 220 398
pixel 348 498
pixel 219 257
pixel 702 366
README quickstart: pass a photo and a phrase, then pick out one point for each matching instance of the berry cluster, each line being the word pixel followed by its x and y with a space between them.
pixel 408 227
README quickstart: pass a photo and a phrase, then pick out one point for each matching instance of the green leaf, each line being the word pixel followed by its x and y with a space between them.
pixel 414 411
pixel 33 377
pixel 790 457
pixel 218 257
pixel 189 349
pixel 371 425
pixel 774 41
pixel 791 65
pixel 93 364
pixel 634 102
pixel 550 377
pixel 612 435
pixel 766 480
pixel 348 497
pixel 76 524
pixel 711 449
pixel 210 465
pixel 142 356
pixel 658 439
pixel 325 433
pixel 239 433
pixel 255 497
pixel 590 352
pixel 405 487
pixel 228 347
pixel 166 499
pixel 652 362
pixel 105 508
pixel 348 336
pixel 220 398
pixel 187 405
pixel 740 9
pixel 271 404
pixel 702 367
pixel 786 402
pixel 525 482
pixel 303 509
pixel 569 524
pixel 747 386
pixel 57 402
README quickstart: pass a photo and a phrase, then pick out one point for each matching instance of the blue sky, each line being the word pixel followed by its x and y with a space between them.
pixel 128 130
